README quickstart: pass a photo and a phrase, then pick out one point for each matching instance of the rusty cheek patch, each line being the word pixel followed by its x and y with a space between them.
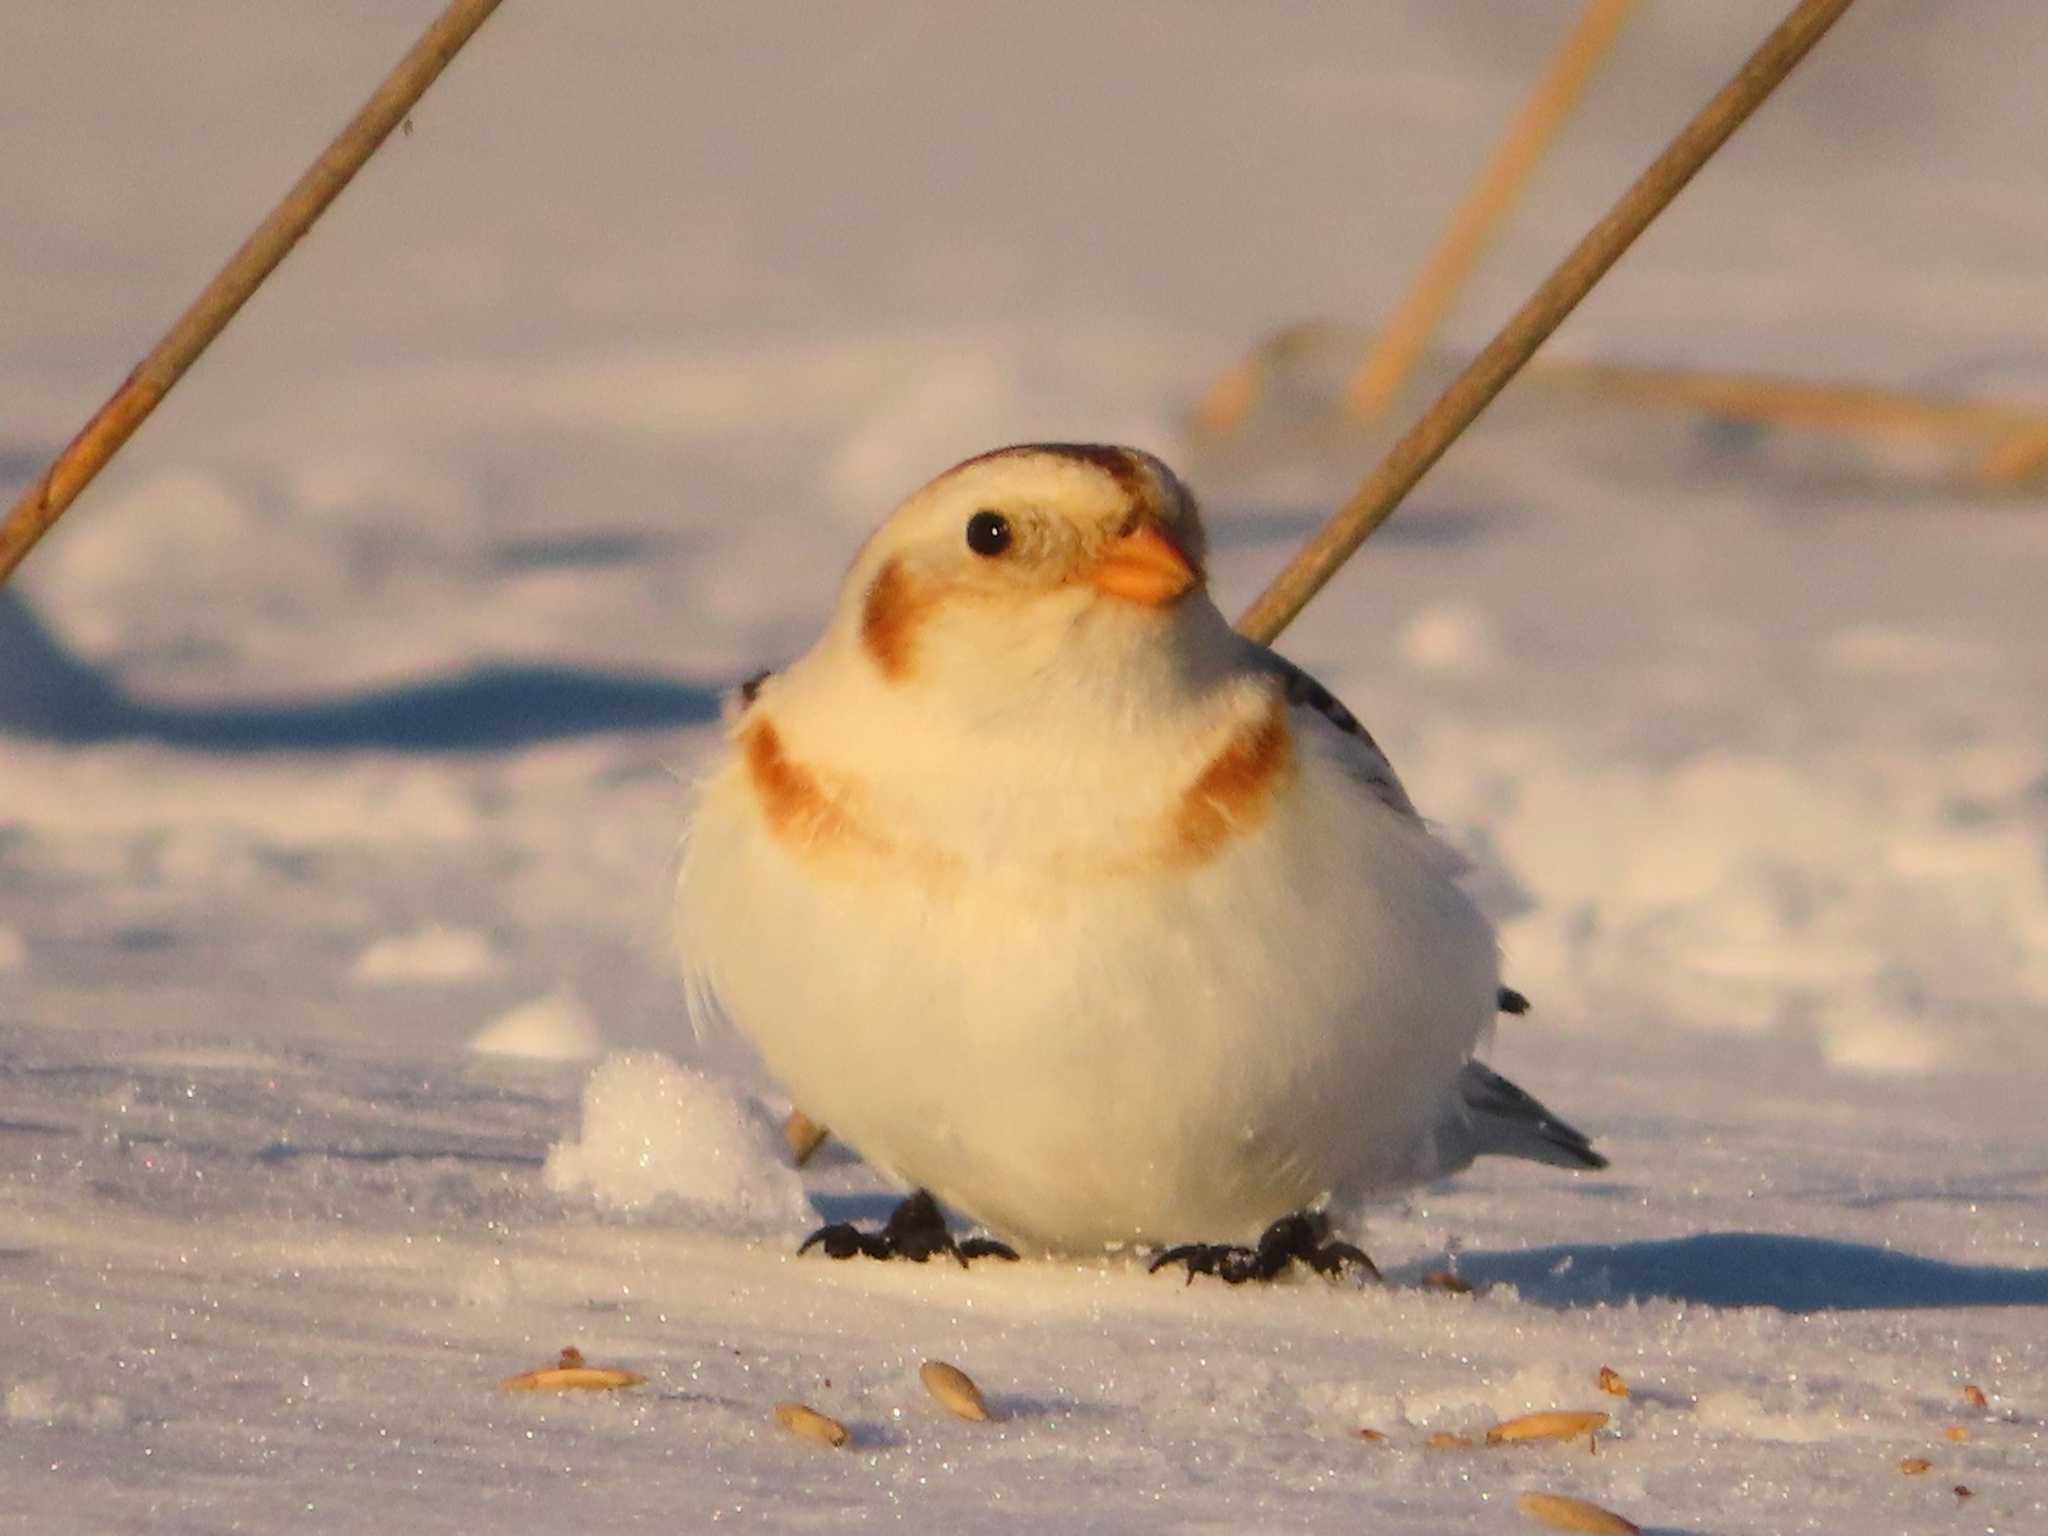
pixel 889 618
pixel 798 809
pixel 1233 792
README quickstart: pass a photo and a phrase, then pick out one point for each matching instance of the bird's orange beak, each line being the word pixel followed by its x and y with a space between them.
pixel 1144 566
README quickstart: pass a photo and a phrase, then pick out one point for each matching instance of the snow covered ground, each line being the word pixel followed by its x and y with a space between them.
pixel 347 721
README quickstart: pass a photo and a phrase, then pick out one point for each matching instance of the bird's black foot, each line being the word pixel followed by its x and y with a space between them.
pixel 1303 1236
pixel 915 1230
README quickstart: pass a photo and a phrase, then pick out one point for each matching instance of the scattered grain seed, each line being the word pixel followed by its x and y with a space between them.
pixel 804 1136
pixel 1611 1382
pixel 1563 1513
pixel 1963 1493
pixel 1443 1280
pixel 954 1389
pixel 1368 1434
pixel 1550 1425
pixel 1913 1466
pixel 1974 1396
pixel 801 1419
pixel 1957 1432
pixel 1444 1440
pixel 570 1374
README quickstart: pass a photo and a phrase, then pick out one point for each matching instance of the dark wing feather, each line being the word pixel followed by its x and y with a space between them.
pixel 1368 763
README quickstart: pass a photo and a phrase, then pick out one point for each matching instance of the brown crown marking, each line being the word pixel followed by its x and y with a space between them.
pixel 1233 792
pixel 1120 464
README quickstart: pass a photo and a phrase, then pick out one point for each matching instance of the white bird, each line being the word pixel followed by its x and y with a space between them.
pixel 1055 896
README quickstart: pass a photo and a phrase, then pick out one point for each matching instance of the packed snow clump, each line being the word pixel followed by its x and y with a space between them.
pixel 1450 638
pixel 432 954
pixel 658 1136
pixel 43 1401
pixel 552 1028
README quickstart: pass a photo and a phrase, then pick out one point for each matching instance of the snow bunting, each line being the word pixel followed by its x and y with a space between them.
pixel 1057 897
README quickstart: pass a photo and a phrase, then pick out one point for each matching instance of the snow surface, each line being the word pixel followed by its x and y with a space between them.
pixel 350 714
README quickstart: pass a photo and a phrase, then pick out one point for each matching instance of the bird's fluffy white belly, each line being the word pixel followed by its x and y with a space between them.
pixel 1158 1057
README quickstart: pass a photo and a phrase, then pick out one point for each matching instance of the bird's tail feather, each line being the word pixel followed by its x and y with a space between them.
pixel 1501 1120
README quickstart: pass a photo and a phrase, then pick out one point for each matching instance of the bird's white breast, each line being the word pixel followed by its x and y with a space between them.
pixel 1079 1048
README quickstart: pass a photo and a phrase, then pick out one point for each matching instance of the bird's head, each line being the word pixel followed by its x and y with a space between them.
pixel 1006 563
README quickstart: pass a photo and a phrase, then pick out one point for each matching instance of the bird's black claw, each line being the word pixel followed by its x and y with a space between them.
pixel 842 1240
pixel 1303 1236
pixel 986 1248
pixel 1333 1258
pixel 1206 1259
pixel 915 1230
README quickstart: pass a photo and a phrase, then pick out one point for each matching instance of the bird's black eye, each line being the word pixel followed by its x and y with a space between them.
pixel 988 534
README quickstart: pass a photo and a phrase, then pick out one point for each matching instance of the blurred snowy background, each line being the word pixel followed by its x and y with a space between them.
pixel 346 721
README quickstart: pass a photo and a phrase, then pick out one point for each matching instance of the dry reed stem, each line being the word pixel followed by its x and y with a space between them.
pixel 2019 433
pixel 2007 438
pixel 1234 392
pixel 1470 393
pixel 1237 390
pixel 72 470
pixel 2021 457
pixel 1535 128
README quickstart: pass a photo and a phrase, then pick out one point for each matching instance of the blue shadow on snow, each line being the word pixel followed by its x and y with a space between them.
pixel 1752 1269
pixel 47 693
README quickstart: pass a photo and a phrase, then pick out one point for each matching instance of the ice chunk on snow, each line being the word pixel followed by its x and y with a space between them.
pixel 1857 1039
pixel 659 1135
pixel 432 954
pixel 552 1028
pixel 1450 638
pixel 44 1402
pixel 1880 651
